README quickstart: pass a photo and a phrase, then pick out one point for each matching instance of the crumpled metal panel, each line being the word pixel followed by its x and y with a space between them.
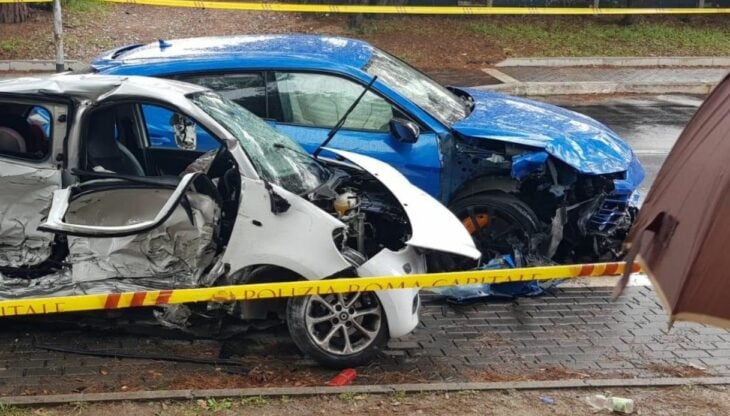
pixel 63 284
pixel 172 256
pixel 26 196
pixel 177 248
pixel 578 140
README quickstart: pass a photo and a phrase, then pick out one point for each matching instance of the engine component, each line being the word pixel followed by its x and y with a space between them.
pixel 345 202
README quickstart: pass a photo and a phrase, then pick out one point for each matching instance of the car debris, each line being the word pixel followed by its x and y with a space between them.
pixel 91 205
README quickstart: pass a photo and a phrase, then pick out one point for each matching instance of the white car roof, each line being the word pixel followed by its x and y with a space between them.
pixel 93 87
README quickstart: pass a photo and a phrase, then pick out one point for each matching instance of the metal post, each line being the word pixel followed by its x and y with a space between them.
pixel 58 35
pixel 596 3
pixel 701 4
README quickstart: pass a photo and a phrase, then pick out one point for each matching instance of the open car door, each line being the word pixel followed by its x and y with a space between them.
pixel 121 227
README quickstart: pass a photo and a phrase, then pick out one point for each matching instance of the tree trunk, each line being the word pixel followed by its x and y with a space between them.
pixel 14 12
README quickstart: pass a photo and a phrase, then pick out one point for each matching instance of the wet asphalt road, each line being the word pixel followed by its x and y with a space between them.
pixel 651 124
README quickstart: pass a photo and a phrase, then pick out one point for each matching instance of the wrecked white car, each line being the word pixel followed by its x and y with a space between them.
pixel 89 205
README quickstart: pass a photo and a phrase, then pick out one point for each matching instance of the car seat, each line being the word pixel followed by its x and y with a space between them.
pixel 105 151
pixel 11 141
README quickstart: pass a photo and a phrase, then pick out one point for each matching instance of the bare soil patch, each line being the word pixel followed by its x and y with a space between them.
pixel 461 44
pixel 694 400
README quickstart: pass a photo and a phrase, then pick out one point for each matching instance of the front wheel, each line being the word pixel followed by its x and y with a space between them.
pixel 338 330
pixel 499 223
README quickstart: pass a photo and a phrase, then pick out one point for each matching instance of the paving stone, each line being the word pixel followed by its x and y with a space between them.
pixel 578 329
pixel 719 352
pixel 691 353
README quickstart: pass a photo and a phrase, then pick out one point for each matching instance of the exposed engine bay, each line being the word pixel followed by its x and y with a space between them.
pixel 373 217
pixel 582 218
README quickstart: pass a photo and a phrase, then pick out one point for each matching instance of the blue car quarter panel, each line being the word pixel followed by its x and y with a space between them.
pixel 581 142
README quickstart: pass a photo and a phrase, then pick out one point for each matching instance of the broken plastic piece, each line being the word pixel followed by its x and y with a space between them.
pixel 526 163
pixel 344 378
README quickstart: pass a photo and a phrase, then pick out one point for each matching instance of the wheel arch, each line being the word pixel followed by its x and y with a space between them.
pixel 264 273
pixel 484 184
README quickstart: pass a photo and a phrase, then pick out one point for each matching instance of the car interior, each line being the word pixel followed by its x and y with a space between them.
pixel 123 180
pixel 24 131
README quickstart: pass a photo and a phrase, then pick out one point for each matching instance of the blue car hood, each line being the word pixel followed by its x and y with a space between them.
pixel 578 140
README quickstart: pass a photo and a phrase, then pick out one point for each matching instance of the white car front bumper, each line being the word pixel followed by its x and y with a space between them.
pixel 401 305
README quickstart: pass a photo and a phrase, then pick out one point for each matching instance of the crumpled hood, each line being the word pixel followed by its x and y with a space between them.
pixel 578 140
pixel 433 226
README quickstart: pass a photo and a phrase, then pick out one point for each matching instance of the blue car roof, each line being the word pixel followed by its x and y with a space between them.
pixel 250 50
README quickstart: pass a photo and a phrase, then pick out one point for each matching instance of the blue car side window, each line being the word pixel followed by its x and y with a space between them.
pixel 162 123
pixel 245 89
pixel 320 100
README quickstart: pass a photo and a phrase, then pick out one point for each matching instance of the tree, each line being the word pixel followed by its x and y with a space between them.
pixel 14 12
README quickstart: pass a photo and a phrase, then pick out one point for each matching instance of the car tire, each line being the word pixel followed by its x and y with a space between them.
pixel 309 330
pixel 500 223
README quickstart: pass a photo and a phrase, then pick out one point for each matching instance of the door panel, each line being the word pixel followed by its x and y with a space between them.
pixel 130 230
pixel 307 105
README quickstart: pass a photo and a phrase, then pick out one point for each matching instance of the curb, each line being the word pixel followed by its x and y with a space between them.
pixel 37 65
pixel 600 87
pixel 364 389
pixel 722 61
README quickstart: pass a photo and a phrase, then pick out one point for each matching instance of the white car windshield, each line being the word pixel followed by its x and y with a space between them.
pixel 417 87
pixel 276 158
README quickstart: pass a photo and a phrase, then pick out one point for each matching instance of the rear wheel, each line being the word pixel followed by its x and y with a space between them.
pixel 338 330
pixel 499 223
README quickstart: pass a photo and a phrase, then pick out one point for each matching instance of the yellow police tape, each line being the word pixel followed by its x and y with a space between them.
pixel 389 9
pixel 78 303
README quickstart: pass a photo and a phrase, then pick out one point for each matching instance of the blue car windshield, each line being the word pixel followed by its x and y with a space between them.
pixel 417 87
pixel 277 158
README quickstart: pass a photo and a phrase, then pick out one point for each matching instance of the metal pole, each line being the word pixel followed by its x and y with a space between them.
pixel 701 4
pixel 58 35
pixel 596 3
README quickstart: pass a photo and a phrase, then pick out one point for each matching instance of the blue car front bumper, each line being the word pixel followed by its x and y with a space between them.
pixel 619 206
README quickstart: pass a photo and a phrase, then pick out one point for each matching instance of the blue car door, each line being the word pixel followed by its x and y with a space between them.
pixel 305 106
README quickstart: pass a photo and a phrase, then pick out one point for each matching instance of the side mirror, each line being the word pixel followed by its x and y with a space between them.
pixel 186 136
pixel 405 131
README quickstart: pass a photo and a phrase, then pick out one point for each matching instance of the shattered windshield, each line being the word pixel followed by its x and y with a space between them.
pixel 276 158
pixel 417 87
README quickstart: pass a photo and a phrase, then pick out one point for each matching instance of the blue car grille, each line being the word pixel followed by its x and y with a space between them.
pixel 611 213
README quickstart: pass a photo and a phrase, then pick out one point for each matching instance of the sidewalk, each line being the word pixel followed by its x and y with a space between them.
pixel 573 333
pixel 562 79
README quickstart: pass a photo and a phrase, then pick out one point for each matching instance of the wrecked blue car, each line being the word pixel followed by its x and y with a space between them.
pixel 528 179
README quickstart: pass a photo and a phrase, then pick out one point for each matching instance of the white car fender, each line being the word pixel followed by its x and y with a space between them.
pixel 299 239
pixel 434 227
